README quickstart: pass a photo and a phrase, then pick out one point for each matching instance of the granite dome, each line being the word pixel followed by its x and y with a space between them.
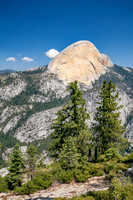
pixel 80 61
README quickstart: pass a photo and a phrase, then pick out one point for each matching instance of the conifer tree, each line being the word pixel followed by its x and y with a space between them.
pixel 16 168
pixel 31 160
pixel 69 155
pixel 58 135
pixel 71 121
pixel 108 128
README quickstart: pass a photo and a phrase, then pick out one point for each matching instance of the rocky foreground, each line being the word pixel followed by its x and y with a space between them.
pixel 62 190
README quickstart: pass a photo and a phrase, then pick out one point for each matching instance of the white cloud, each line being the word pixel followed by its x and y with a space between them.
pixel 11 59
pixel 27 59
pixel 52 53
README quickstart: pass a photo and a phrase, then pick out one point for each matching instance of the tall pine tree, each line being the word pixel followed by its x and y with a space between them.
pixel 16 168
pixel 107 127
pixel 71 121
pixel 31 159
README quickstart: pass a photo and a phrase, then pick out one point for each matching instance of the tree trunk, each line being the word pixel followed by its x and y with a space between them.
pixel 95 153
pixel 89 154
pixel 102 150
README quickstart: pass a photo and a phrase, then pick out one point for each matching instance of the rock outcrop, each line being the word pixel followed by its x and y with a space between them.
pixel 57 190
pixel 80 61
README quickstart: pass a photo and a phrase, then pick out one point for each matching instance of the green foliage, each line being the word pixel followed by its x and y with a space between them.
pixel 42 180
pixel 23 97
pixel 129 158
pixel 31 160
pixel 70 121
pixel 28 188
pixel 120 191
pixel 16 168
pixel 64 176
pixel 112 168
pixel 45 177
pixel 69 155
pixel 108 129
pixel 87 171
pixel 100 195
pixel 54 168
pixel 116 191
pixel 81 175
pixel 40 163
pixel 111 154
pixel 3 185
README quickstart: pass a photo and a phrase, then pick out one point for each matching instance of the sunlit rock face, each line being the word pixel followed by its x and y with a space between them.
pixel 80 61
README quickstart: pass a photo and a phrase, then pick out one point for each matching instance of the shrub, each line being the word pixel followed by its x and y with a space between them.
pixel 3 185
pixel 114 167
pixel 28 188
pixel 119 192
pixel 111 154
pixel 81 175
pixel 42 180
pixel 127 192
pixel 44 175
pixel 100 195
pixel 88 170
pixel 129 158
pixel 96 169
pixel 65 176
pixel 54 168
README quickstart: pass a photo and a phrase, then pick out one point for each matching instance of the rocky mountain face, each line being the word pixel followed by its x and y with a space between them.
pixel 81 61
pixel 30 99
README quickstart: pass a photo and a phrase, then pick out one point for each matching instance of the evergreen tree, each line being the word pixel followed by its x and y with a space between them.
pixel 16 168
pixel 70 121
pixel 58 135
pixel 108 128
pixel 31 160
pixel 69 155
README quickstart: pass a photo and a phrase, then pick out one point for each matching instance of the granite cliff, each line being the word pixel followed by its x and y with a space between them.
pixel 80 61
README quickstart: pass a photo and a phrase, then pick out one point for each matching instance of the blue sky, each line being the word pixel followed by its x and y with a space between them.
pixel 29 28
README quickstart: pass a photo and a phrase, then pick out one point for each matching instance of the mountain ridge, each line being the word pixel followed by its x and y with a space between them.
pixel 30 99
pixel 6 71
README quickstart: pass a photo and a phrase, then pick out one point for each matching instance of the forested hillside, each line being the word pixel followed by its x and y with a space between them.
pixel 30 99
